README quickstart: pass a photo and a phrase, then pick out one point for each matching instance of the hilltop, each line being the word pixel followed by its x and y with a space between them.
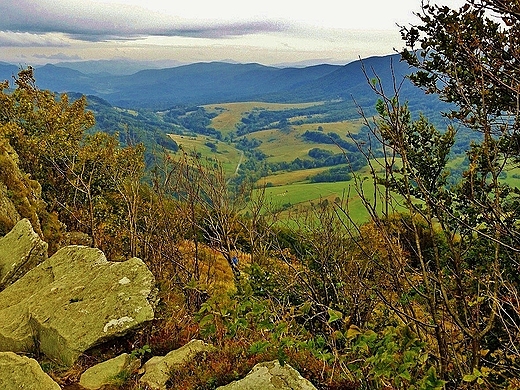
pixel 219 82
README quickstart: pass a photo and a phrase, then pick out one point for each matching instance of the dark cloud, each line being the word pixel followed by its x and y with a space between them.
pixel 96 22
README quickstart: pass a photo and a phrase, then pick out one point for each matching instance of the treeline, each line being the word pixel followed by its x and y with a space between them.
pixel 256 166
pixel 330 138
pixel 333 175
pixel 195 119
pixel 262 119
pixel 132 127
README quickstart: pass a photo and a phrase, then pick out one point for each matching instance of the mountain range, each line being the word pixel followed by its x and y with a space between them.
pixel 218 82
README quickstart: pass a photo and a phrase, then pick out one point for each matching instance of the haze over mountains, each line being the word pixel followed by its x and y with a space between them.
pixel 217 82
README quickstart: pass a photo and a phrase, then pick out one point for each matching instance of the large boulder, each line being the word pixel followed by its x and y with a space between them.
pixel 73 301
pixel 110 372
pixel 271 376
pixel 158 368
pixel 20 372
pixel 20 251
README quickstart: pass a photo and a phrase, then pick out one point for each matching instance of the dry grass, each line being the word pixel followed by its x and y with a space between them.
pixel 231 113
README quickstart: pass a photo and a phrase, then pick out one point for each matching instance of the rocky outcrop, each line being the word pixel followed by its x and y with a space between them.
pixel 8 214
pixel 110 372
pixel 20 372
pixel 20 251
pixel 158 368
pixel 271 376
pixel 20 197
pixel 73 301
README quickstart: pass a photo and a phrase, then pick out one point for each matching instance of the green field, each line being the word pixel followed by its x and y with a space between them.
pixel 286 178
pixel 280 146
pixel 288 191
pixel 513 177
pixel 229 114
pixel 302 196
pixel 226 154
pixel 277 145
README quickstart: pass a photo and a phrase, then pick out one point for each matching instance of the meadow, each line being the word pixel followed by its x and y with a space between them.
pixel 229 114
pixel 292 191
pixel 288 190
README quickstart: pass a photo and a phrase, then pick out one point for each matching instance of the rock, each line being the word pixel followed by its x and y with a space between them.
pixel 20 197
pixel 271 376
pixel 20 372
pixel 110 372
pixel 73 301
pixel 157 369
pixel 20 250
pixel 8 213
pixel 76 238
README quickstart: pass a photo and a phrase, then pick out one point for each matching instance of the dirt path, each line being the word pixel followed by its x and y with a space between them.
pixel 238 166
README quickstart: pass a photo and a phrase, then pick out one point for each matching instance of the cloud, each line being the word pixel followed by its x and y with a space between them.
pixel 26 39
pixel 59 56
pixel 96 22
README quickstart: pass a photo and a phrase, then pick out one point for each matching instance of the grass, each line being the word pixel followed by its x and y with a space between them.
pixel 282 146
pixel 225 153
pixel 302 196
pixel 292 192
pixel 292 177
pixel 513 177
pixel 229 114
pixel 342 127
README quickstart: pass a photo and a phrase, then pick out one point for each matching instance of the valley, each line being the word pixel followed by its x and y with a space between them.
pixel 294 131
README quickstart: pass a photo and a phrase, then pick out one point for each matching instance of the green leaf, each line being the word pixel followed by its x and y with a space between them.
pixel 334 315
pixel 207 319
pixel 352 332
pixel 259 347
pixel 406 375
pixel 476 374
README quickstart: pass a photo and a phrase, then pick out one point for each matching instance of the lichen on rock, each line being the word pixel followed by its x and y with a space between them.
pixel 271 376
pixel 158 368
pixel 109 372
pixel 20 251
pixel 21 372
pixel 74 301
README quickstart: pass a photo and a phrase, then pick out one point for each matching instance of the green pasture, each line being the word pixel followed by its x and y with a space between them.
pixel 229 114
pixel 342 128
pixel 287 146
pixel 225 153
pixel 280 146
pixel 513 177
pixel 291 177
pixel 300 197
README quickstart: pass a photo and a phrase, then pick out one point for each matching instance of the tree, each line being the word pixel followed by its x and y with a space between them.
pixel 204 182
pixel 44 129
pixel 86 178
pixel 452 258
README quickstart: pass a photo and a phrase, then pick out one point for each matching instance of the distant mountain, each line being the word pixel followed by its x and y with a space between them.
pixel 219 82
pixel 204 83
pixel 116 67
pixel 62 79
pixel 7 71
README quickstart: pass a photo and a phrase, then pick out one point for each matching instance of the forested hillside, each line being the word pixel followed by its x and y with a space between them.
pixel 214 82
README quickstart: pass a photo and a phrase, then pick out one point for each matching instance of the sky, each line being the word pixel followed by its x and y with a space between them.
pixel 270 32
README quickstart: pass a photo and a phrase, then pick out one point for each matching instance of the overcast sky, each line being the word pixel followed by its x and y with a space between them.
pixel 265 31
